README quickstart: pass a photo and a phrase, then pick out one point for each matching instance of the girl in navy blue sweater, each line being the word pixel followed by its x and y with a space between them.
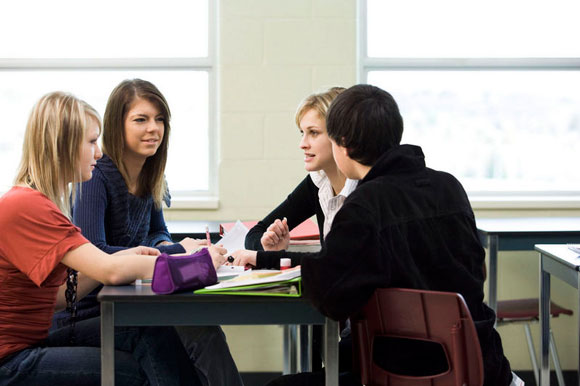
pixel 120 207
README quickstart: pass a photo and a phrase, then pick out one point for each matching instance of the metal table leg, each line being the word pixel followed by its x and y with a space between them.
pixel 306 348
pixel 492 280
pixel 331 352
pixel 578 285
pixel 544 325
pixel 107 344
pixel 290 351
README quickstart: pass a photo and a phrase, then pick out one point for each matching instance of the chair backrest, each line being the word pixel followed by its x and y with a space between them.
pixel 416 337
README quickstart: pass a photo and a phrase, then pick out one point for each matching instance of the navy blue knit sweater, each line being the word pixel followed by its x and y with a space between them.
pixel 113 219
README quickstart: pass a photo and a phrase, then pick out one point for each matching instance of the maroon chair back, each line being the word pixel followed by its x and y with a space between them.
pixel 405 337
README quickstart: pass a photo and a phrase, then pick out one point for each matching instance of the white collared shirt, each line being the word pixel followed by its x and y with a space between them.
pixel 330 203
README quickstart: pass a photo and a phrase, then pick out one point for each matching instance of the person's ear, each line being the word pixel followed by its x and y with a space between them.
pixel 344 150
pixel 336 148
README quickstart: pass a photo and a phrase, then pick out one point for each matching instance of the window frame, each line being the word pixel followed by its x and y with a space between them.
pixel 479 199
pixel 180 199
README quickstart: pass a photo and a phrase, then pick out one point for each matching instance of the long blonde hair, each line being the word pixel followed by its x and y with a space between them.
pixel 152 177
pixel 51 150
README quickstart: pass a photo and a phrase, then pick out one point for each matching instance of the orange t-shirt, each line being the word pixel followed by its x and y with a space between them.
pixel 35 236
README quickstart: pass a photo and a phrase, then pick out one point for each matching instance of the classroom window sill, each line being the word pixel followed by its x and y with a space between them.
pixel 524 201
pixel 477 202
pixel 193 202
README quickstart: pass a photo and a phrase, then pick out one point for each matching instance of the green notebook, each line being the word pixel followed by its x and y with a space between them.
pixel 260 283
pixel 286 288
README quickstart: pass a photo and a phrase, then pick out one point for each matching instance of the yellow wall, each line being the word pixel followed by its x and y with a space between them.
pixel 272 54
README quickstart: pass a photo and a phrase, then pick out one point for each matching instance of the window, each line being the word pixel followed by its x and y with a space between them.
pixel 88 48
pixel 488 89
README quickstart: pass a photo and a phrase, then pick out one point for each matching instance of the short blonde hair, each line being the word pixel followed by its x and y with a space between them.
pixel 319 102
pixel 52 142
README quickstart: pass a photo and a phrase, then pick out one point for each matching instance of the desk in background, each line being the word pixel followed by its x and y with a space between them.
pixel 564 264
pixel 521 234
pixel 139 306
pixel 194 229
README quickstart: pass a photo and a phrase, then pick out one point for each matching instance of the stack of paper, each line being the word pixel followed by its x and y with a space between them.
pixel 226 272
pixel 234 239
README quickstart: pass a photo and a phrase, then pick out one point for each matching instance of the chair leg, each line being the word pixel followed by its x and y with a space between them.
pixel 532 351
pixel 556 360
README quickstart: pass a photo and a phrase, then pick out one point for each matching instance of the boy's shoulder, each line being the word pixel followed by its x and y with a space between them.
pixel 391 194
pixel 399 182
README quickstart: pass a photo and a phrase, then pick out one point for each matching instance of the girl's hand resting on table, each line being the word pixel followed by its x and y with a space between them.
pixel 191 245
pixel 218 255
pixel 244 257
pixel 277 236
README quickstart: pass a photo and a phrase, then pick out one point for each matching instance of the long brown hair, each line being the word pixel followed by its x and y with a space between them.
pixel 151 179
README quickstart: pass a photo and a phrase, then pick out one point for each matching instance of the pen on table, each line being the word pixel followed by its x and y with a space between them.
pixel 207 236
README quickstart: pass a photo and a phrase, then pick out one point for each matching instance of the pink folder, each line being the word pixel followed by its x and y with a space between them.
pixel 308 230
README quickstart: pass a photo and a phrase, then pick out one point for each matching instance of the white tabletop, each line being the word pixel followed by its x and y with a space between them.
pixel 528 224
pixel 560 253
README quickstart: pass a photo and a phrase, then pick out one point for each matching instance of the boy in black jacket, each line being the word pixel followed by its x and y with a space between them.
pixel 405 225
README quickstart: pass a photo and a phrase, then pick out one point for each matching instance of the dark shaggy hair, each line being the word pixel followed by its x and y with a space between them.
pixel 365 120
